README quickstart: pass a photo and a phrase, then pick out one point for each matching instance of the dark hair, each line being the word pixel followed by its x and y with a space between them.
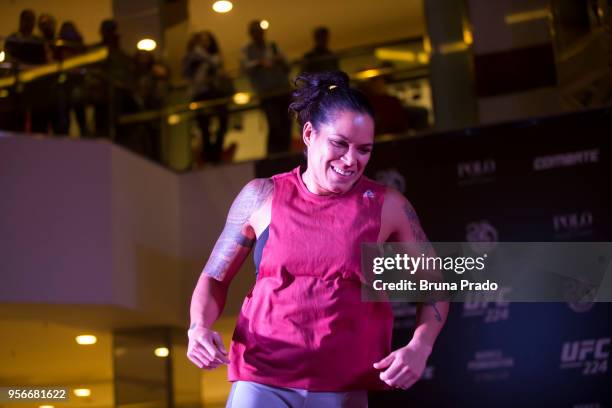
pixel 27 14
pixel 321 30
pixel 318 96
pixel 69 32
pixel 213 46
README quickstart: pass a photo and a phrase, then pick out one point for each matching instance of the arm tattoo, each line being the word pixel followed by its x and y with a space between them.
pixel 438 316
pixel 415 225
pixel 232 239
pixel 416 231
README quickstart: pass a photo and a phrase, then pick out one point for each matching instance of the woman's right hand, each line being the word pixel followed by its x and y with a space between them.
pixel 206 349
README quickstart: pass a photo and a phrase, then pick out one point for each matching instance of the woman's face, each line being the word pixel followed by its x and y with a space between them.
pixel 338 152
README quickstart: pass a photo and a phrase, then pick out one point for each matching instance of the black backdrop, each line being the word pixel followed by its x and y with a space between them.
pixel 543 180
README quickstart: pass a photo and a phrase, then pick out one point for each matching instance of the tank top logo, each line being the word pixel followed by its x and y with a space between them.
pixel 368 194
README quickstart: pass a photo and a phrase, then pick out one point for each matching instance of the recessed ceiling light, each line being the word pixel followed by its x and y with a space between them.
pixel 82 392
pixel 264 24
pixel 146 44
pixel 162 352
pixel 222 6
pixel 86 339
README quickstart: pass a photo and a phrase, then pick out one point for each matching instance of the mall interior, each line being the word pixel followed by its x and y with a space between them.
pixel 116 172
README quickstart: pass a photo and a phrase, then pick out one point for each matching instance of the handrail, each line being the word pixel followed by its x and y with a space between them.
pixel 95 56
pixel 582 44
pixel 39 71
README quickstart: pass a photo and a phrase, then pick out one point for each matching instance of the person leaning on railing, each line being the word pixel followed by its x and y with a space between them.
pixel 203 68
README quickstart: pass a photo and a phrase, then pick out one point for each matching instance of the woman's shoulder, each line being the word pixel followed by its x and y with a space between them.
pixel 255 200
pixel 257 187
pixel 395 203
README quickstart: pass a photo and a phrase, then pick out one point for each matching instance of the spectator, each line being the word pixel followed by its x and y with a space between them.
pixel 203 68
pixel 110 82
pixel 267 70
pixel 150 88
pixel 320 58
pixel 47 26
pixel 22 48
pixel 71 94
pixel 43 91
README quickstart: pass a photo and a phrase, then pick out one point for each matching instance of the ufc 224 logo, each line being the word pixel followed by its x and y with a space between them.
pixel 591 355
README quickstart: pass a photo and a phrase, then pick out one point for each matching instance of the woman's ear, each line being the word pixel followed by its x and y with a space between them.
pixel 308 133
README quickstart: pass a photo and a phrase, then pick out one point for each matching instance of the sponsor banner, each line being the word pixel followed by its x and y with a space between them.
pixel 541 180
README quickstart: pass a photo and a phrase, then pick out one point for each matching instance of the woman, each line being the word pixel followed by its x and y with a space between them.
pixel 71 91
pixel 203 67
pixel 304 336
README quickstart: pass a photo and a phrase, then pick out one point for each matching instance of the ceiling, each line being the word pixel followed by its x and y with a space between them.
pixel 351 23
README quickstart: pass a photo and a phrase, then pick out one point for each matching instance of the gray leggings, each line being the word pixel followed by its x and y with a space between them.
pixel 248 394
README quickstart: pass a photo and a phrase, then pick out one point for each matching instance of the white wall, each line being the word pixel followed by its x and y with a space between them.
pixel 86 222
pixel 55 221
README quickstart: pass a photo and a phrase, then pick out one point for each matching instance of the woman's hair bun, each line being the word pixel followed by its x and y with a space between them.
pixel 317 94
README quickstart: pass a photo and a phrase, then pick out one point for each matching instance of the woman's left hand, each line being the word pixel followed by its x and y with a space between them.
pixel 404 366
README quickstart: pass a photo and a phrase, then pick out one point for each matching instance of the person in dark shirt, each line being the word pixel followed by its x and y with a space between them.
pixel 110 79
pixel 23 50
pixel 320 58
pixel 23 47
pixel 71 93
pixel 45 114
pixel 47 27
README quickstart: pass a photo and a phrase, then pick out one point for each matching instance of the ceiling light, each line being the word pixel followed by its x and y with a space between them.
pixel 82 392
pixel 162 352
pixel 222 6
pixel 2 56
pixel 241 98
pixel 173 119
pixel 86 339
pixel 146 44
pixel 264 24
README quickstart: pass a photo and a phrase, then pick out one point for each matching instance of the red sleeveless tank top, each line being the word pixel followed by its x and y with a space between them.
pixel 304 325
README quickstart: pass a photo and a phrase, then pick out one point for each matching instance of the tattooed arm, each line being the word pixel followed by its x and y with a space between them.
pixel 208 300
pixel 404 366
